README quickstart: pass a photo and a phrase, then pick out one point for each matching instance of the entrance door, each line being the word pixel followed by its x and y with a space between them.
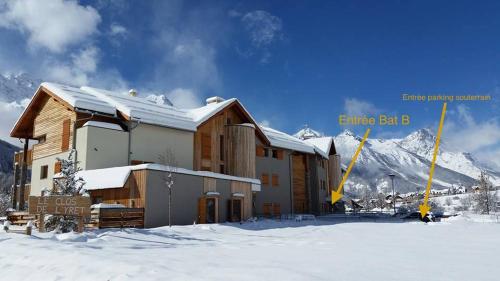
pixel 235 210
pixel 211 210
pixel 207 210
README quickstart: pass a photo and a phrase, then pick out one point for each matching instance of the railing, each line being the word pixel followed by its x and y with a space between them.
pixel 19 156
pixel 117 217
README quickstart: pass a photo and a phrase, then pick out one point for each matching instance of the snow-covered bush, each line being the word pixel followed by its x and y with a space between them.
pixel 65 183
pixel 5 203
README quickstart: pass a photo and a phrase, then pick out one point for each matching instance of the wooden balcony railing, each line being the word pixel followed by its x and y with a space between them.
pixel 19 156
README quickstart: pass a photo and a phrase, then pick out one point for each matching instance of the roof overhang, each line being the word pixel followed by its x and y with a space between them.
pixel 236 103
pixel 23 128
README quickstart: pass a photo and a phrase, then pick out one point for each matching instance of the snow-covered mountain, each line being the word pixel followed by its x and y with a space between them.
pixel 307 133
pixel 6 164
pixel 409 159
pixel 15 88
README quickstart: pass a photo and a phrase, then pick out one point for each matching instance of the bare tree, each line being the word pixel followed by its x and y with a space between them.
pixel 167 158
pixel 484 198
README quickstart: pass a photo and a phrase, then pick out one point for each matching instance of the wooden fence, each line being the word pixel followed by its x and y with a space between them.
pixel 117 217
pixel 21 218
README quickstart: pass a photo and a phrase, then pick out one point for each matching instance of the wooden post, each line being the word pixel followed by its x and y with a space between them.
pixel 24 170
pixel 41 223
pixel 80 224
pixel 15 185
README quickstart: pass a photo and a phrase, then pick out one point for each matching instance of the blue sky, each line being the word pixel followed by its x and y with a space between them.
pixel 290 63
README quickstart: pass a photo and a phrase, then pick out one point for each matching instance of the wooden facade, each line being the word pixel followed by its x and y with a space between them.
pixel 211 142
pixel 300 194
pixel 132 195
pixel 245 189
pixel 53 123
pixel 208 155
pixel 240 150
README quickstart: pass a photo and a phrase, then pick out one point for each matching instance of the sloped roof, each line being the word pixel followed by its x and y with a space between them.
pixel 323 145
pixel 135 108
pixel 117 177
pixel 146 111
pixel 284 140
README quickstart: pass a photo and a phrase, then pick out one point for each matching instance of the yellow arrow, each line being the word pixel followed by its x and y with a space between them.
pixel 424 208
pixel 337 195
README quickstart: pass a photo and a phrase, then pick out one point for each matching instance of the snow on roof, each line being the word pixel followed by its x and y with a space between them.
pixel 104 125
pixel 139 109
pixel 146 111
pixel 116 177
pixel 284 140
pixel 79 98
pixel 201 114
pixel 105 178
pixel 322 145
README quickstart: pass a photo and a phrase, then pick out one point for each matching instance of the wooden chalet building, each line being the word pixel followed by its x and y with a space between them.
pixel 226 167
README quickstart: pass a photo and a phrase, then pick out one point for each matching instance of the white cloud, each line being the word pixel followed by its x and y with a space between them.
pixel 52 24
pixel 264 28
pixel 482 139
pixel 77 72
pixel 117 30
pixel 184 98
pixel 265 123
pixel 356 107
pixel 10 112
pixel 187 62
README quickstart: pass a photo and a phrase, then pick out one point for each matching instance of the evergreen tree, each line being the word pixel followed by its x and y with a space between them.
pixel 66 183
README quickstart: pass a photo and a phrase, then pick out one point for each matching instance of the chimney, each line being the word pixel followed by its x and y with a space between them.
pixel 214 100
pixel 132 93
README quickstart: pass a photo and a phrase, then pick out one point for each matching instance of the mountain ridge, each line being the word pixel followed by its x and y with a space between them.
pixel 410 159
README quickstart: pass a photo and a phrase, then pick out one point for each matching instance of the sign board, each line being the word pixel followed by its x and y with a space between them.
pixel 78 206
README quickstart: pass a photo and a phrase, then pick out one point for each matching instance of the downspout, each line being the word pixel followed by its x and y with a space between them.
pixel 130 128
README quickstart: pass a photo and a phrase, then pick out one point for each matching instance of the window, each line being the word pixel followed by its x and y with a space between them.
pixel 275 180
pixel 57 167
pixel 276 209
pixel 42 139
pixel 44 171
pixel 278 154
pixel 260 151
pixel 228 121
pixel 206 146
pixel 264 179
pixel 266 152
pixel 66 129
pixel 221 147
pixel 267 207
pixel 221 168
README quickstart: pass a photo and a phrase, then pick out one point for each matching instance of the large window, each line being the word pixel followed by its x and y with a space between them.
pixel 44 172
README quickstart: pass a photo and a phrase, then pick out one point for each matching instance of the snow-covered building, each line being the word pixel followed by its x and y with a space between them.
pixel 222 157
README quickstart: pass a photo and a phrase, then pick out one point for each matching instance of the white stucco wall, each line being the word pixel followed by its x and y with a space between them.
pixel 101 148
pixel 148 142
pixel 37 184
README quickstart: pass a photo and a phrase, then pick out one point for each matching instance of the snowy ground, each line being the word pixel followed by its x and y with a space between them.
pixel 328 249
